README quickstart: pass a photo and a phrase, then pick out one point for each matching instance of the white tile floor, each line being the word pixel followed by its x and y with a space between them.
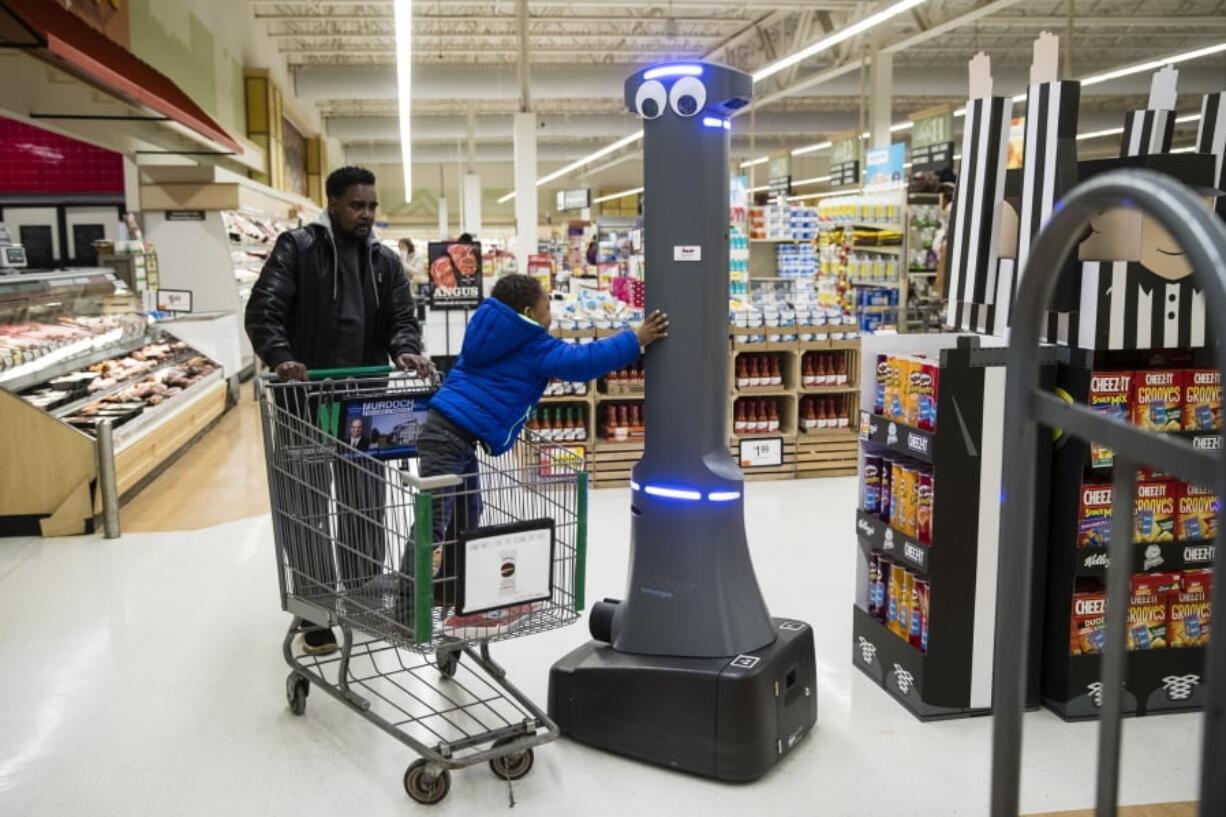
pixel 143 676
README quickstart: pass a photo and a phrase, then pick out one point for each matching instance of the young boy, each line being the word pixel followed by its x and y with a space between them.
pixel 507 360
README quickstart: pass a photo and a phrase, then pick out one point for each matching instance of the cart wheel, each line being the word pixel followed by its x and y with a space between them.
pixel 449 663
pixel 296 690
pixel 422 789
pixel 513 766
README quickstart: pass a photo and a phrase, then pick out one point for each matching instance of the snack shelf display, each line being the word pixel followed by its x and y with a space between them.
pixel 87 355
pixel 1174 536
pixel 795 399
pixel 927 522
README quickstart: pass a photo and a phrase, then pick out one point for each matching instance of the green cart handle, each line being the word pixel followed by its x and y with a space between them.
pixel 353 371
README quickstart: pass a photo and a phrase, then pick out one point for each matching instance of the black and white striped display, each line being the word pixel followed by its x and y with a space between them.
pixel 1148 132
pixel 1212 139
pixel 1050 162
pixel 974 230
pixel 1124 306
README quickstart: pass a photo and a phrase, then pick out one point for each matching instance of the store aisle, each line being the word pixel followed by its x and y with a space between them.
pixel 144 676
pixel 219 479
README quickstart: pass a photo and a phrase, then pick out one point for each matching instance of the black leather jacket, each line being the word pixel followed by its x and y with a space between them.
pixel 293 310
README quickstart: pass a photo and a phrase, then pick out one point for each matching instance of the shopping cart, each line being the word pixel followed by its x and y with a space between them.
pixel 358 548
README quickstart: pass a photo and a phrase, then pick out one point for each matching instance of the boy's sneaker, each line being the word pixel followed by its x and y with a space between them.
pixel 489 624
pixel 319 641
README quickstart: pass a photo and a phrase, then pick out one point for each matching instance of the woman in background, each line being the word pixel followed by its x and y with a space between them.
pixel 414 269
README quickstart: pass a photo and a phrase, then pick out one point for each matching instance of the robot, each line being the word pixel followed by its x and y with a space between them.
pixel 690 670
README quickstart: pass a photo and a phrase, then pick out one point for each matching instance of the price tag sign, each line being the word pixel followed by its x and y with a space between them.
pixel 174 300
pixel 762 453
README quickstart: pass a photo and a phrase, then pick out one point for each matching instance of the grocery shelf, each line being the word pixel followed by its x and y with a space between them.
pixel 876 535
pixel 884 249
pixel 63 411
pixel 23 377
pixel 126 434
pixel 841 389
pixel 1151 557
pixel 860 282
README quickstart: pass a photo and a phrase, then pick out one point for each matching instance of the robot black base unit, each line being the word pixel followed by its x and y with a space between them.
pixel 727 718
pixel 689 670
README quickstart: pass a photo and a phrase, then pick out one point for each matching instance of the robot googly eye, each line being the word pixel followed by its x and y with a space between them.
pixel 651 99
pixel 688 96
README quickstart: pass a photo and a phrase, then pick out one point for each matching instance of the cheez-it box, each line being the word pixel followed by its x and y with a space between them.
pixel 1154 511
pixel 1148 607
pixel 1197 514
pixel 1202 400
pixel 1094 515
pixel 1157 399
pixel 1110 393
pixel 1191 610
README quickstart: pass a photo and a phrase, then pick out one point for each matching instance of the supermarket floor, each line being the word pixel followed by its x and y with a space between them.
pixel 143 676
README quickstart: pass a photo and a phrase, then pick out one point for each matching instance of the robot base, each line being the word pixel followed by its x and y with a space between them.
pixel 727 718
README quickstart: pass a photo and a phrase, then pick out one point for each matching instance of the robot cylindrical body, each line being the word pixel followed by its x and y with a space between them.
pixel 692 589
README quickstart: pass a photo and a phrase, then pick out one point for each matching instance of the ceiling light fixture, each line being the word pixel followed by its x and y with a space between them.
pixel 403 12
pixel 761 160
pixel 620 195
pixel 853 30
pixel 1153 65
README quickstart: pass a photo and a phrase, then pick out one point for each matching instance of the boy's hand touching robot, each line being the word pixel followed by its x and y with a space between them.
pixel 652 329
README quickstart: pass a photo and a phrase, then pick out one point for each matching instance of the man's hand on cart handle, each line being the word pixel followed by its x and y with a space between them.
pixel 291 370
pixel 420 364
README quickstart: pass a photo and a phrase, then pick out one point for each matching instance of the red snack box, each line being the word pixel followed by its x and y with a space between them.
pixel 1088 624
pixel 925 497
pixel 1196 516
pixel 924 378
pixel 1110 393
pixel 1191 610
pixel 1157 399
pixel 1153 516
pixel 1148 607
pixel 1202 400
pixel 1094 515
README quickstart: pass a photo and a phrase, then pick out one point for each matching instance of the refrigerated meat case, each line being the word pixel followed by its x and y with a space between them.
pixel 76 348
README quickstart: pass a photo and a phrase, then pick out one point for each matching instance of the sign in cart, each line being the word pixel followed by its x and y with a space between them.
pixel 505 565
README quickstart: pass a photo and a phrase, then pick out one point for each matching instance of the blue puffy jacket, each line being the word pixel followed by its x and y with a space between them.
pixel 506 363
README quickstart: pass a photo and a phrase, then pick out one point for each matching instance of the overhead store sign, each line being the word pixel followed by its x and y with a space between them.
pixel 845 147
pixel 573 200
pixel 932 126
pixel 780 177
pixel 845 174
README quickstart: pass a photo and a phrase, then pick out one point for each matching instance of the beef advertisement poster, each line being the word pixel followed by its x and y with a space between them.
pixel 455 275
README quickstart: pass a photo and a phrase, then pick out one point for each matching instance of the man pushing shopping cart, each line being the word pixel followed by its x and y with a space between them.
pixel 417 564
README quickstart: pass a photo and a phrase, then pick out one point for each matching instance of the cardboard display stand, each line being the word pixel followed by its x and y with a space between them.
pixel 953 677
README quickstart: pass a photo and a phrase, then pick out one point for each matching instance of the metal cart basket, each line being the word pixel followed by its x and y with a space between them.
pixel 1203 239
pixel 358 548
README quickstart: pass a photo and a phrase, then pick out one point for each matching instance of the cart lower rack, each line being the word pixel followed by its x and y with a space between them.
pixel 418 572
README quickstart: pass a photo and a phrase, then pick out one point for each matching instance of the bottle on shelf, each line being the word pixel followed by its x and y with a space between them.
pixel 742 372
pixel 809 421
pixel 776 375
pixel 755 372
pixel 636 420
pixel 739 420
pixel 773 419
pixel 808 377
pixel 840 370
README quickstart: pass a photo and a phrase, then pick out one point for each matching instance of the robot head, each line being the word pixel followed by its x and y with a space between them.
pixel 688 90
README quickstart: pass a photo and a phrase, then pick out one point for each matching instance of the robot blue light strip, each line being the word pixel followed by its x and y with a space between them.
pixel 691 655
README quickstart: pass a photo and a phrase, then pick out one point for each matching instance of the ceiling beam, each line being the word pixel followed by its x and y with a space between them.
pixel 1121 21
pixel 849 65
